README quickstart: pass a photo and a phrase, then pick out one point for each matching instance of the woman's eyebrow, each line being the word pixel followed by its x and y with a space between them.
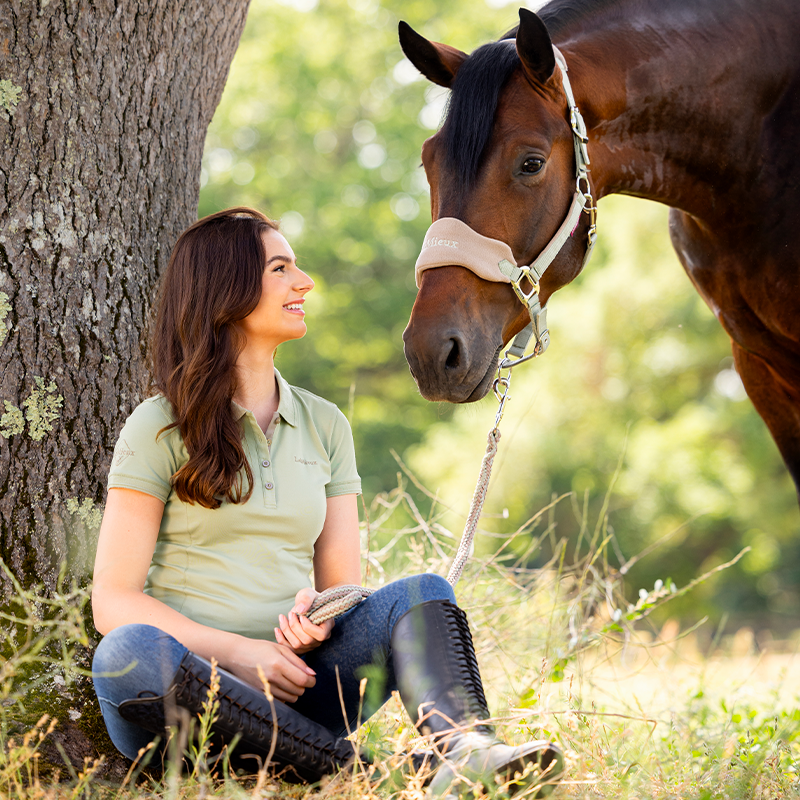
pixel 279 258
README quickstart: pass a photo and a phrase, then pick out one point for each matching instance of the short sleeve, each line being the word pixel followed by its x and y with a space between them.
pixel 344 473
pixel 144 460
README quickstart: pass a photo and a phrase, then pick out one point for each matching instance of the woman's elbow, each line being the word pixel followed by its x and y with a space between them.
pixel 103 619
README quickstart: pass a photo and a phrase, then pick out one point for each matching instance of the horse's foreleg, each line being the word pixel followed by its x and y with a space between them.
pixel 777 403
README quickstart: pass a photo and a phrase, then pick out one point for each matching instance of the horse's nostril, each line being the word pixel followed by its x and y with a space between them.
pixel 454 356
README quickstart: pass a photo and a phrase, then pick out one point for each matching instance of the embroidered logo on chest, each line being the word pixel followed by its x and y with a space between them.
pixel 303 461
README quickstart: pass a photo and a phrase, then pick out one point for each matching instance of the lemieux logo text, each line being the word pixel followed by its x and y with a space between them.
pixel 434 242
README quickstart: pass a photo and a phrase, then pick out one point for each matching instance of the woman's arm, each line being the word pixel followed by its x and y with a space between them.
pixel 337 552
pixel 124 551
pixel 337 561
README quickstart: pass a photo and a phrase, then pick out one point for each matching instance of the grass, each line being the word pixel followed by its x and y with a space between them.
pixel 639 710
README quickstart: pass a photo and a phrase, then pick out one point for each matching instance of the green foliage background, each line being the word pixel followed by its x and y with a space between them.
pixel 321 125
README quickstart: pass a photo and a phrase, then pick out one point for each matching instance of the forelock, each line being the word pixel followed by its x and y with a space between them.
pixel 473 105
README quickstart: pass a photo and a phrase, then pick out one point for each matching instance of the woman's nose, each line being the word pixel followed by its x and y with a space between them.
pixel 304 282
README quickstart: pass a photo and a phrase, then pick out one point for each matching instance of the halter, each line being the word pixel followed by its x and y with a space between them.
pixel 450 241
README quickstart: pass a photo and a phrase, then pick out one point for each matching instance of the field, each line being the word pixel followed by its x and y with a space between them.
pixel 641 710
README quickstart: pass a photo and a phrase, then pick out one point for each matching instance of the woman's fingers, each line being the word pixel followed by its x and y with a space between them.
pixel 295 676
pixel 303 600
pixel 300 633
pixel 288 675
pixel 286 696
pixel 292 631
pixel 318 633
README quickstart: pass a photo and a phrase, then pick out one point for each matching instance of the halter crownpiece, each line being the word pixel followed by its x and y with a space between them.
pixel 450 241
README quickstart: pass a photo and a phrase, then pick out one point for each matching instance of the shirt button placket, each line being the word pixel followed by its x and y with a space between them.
pixel 267 476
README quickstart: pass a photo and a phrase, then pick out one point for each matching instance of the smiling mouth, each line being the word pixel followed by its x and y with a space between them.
pixel 294 307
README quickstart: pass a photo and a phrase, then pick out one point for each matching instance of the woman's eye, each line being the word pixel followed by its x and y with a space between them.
pixel 280 268
pixel 532 165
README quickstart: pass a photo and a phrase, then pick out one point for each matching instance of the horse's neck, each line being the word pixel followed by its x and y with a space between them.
pixel 673 110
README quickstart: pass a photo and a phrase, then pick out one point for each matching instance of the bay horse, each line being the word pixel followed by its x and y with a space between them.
pixel 691 103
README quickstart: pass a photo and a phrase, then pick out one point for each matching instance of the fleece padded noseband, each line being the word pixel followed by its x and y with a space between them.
pixel 451 241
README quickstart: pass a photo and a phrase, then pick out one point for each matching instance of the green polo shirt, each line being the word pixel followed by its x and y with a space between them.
pixel 235 568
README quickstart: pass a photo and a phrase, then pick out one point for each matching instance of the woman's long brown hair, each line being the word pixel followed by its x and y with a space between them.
pixel 212 281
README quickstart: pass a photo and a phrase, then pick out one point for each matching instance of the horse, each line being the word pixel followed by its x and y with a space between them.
pixel 691 103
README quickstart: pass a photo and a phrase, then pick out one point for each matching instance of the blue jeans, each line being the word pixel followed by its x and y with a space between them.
pixel 136 658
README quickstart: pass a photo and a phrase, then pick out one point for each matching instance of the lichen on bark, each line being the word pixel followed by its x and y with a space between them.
pixel 5 308
pixel 42 406
pixel 9 95
pixel 12 422
pixel 87 511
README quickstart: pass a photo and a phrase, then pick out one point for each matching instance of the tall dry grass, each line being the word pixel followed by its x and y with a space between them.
pixel 639 711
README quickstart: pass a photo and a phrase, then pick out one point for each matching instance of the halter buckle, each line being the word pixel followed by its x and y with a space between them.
pixel 526 297
pixel 577 124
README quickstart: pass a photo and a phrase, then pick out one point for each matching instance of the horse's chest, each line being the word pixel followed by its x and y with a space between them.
pixel 753 290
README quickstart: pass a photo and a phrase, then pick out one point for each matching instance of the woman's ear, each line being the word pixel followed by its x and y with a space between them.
pixel 437 62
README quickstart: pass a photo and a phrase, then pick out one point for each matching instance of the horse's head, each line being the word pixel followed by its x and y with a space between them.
pixel 504 164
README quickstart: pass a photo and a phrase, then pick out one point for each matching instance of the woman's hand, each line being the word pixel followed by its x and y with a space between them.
pixel 287 673
pixel 297 631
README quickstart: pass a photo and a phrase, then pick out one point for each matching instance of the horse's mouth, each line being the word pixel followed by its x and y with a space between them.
pixel 436 388
pixel 485 383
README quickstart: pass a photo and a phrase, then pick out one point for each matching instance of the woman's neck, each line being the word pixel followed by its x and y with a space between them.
pixel 256 387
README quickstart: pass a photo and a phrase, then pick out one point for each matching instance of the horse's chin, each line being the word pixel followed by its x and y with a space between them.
pixel 437 389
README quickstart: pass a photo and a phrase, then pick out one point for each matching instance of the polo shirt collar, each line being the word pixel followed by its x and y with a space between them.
pixel 286 404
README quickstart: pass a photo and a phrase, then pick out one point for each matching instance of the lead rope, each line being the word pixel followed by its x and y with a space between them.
pixel 334 602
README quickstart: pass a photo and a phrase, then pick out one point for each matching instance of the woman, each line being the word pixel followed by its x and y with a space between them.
pixel 225 490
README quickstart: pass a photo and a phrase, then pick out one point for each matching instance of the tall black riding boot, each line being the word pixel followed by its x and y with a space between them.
pixel 304 750
pixel 440 685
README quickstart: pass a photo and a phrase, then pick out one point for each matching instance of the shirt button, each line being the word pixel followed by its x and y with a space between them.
pixel 268 485
pixel 265 463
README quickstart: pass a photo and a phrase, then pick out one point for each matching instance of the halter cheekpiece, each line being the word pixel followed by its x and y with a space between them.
pixel 450 241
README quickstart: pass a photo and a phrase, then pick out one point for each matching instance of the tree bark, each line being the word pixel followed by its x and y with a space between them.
pixel 104 107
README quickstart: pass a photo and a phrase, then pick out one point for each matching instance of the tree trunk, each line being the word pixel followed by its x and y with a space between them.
pixel 104 107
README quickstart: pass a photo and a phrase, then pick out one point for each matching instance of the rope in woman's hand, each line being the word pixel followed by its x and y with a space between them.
pixel 334 602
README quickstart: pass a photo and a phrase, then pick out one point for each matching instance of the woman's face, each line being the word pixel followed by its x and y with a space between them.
pixel 279 315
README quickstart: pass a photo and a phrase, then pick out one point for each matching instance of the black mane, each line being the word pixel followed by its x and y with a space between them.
pixel 472 106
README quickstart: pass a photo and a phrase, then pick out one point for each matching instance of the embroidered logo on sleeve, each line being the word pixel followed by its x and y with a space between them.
pixel 122 451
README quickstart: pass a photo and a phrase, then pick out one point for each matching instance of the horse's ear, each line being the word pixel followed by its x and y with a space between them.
pixel 437 62
pixel 534 47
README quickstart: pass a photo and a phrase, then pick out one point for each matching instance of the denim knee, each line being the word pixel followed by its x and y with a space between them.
pixel 134 658
pixel 426 587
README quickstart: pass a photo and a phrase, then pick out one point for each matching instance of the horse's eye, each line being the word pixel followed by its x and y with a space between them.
pixel 532 165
